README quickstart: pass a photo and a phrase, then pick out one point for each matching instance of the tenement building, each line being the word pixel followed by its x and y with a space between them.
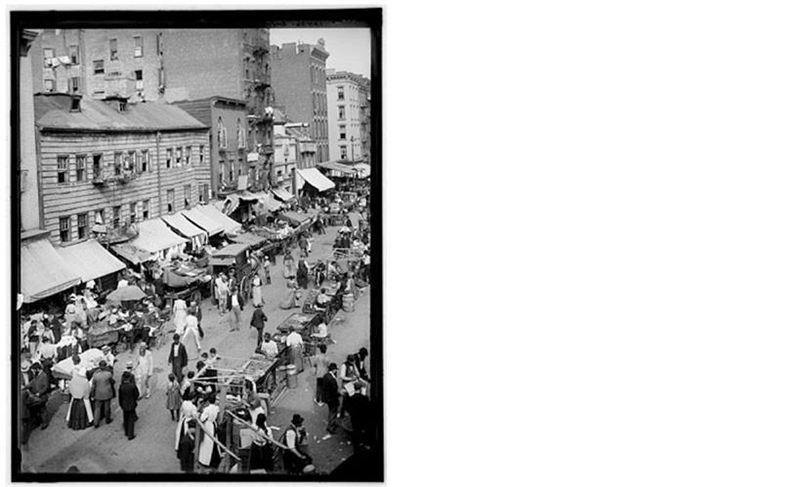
pixel 348 95
pixel 164 66
pixel 107 164
pixel 300 88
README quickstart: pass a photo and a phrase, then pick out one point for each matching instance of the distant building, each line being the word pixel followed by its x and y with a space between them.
pixel 109 164
pixel 31 216
pixel 348 125
pixel 299 83
pixel 164 65
pixel 227 119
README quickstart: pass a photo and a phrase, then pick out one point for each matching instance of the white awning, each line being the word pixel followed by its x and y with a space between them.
pixel 315 178
pixel 43 271
pixel 186 228
pixel 155 236
pixel 282 194
pixel 90 260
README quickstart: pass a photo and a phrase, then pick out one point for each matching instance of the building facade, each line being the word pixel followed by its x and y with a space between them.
pixel 166 65
pixel 110 164
pixel 227 119
pixel 300 88
pixel 347 100
pixel 31 216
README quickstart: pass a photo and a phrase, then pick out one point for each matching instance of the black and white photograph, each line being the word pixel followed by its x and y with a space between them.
pixel 197 285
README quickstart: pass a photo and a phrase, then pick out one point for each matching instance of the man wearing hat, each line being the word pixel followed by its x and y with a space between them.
pixel 295 437
pixel 102 393
pixel 38 389
pixel 330 396
pixel 178 357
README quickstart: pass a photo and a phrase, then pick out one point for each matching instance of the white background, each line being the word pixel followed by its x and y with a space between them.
pixel 592 243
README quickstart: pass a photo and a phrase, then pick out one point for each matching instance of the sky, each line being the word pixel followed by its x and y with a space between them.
pixel 349 48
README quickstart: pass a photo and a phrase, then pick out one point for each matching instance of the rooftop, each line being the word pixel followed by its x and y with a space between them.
pixel 53 112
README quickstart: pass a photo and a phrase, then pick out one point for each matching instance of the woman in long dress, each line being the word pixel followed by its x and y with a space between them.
pixel 208 448
pixel 179 315
pixel 191 338
pixel 79 414
pixel 187 413
pixel 302 274
pixel 261 455
pixel 257 298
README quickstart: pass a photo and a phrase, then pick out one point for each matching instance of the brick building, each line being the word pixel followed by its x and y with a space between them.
pixel 227 118
pixel 111 163
pixel 348 124
pixel 165 65
pixel 300 87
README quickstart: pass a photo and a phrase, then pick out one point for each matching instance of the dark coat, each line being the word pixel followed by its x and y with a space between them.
pixel 128 396
pixel 102 385
pixel 330 389
pixel 258 319
pixel 182 358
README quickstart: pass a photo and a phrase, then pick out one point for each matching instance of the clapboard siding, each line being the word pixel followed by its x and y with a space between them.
pixel 73 198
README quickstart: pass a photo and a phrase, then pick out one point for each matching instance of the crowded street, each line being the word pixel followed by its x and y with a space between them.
pixel 106 449
pixel 195 283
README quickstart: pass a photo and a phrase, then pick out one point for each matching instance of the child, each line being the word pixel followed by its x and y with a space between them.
pixel 173 397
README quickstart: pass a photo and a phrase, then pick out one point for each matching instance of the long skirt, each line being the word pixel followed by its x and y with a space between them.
pixel 257 298
pixel 192 344
pixel 79 415
pixel 179 320
pixel 261 458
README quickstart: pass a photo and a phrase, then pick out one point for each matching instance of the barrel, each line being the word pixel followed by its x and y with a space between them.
pixel 291 376
pixel 348 302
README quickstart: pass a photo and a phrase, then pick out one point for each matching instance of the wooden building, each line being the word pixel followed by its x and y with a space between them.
pixel 107 164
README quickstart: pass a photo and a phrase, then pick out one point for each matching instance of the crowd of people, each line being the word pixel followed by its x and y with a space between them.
pixel 191 396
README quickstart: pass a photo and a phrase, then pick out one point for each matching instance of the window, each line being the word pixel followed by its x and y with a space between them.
pixel 117 163
pixel 137 47
pixel 179 157
pixel 202 153
pixel 220 178
pixel 48 55
pixel 342 152
pixel 49 85
pixel 341 112
pixel 63 228
pixel 97 167
pixel 75 84
pixel 342 132
pixel 187 196
pixel 81 226
pixel 145 209
pixel 74 56
pixel 99 67
pixel 240 136
pixel 137 162
pixel 112 44
pixel 188 156
pixel 63 169
pixel 204 193
pixel 116 211
pixel 139 80
pixel 169 158
pixel 222 134
pixel 132 213
pixel 129 158
pixel 145 160
pixel 340 94
pixel 98 217
pixel 80 168
pixel 170 200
